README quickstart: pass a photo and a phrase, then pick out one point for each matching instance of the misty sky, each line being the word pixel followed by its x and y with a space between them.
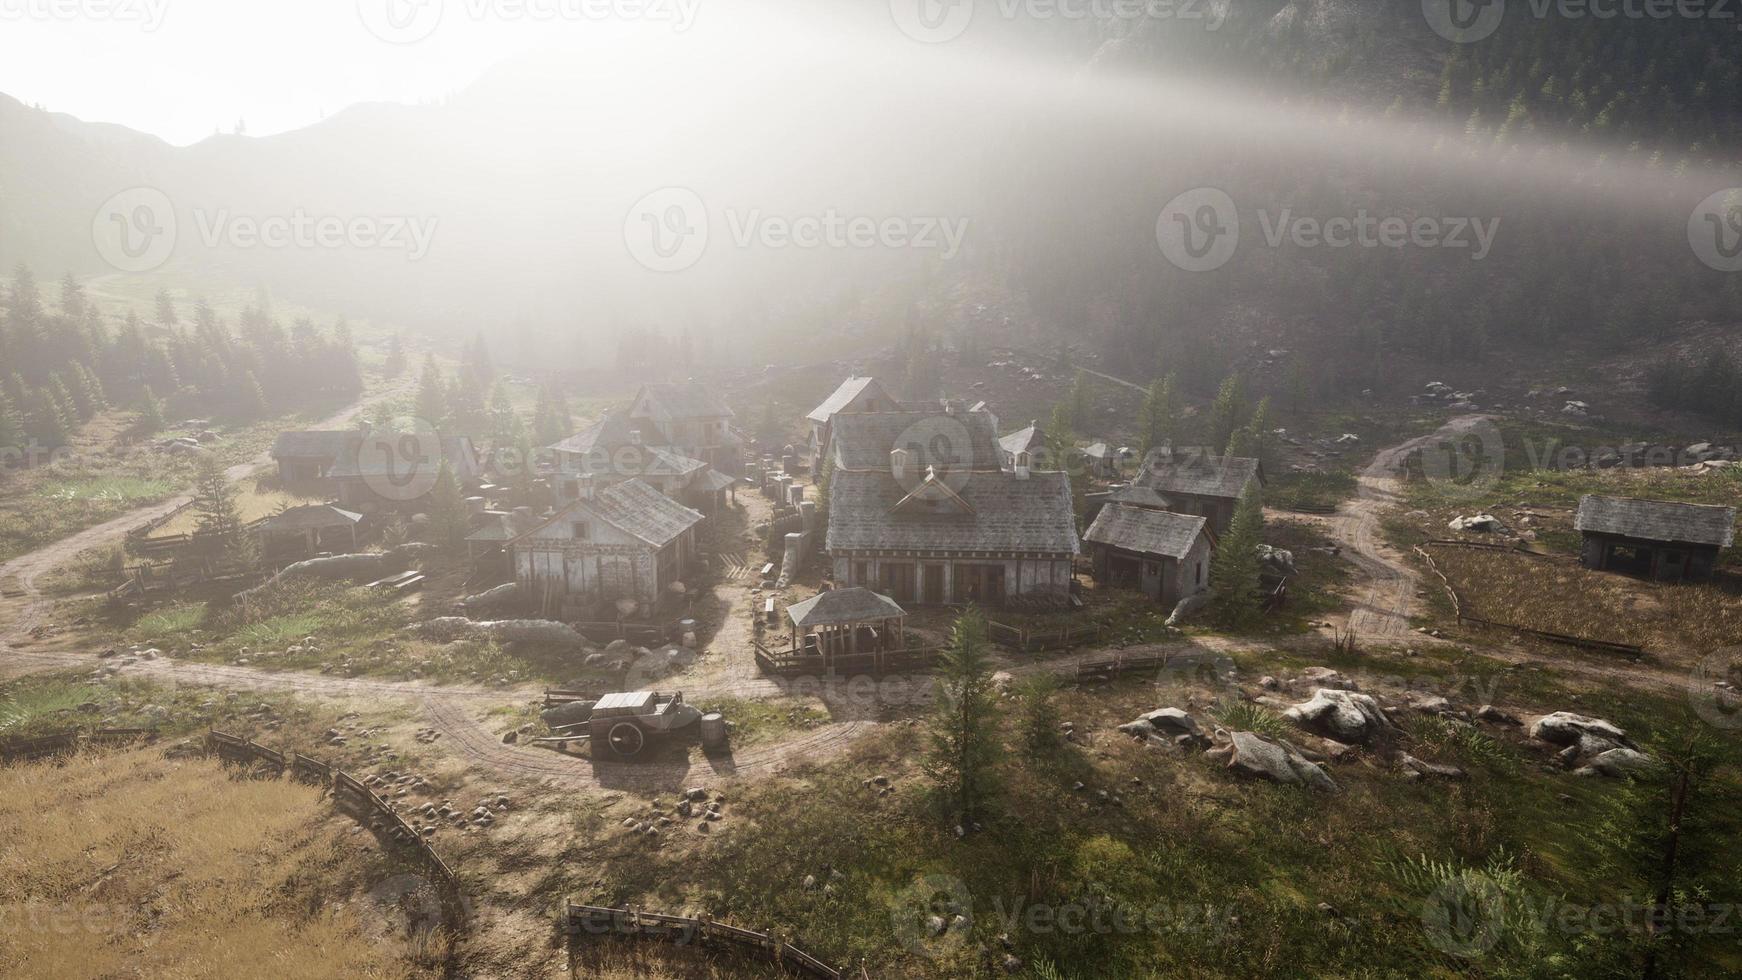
pixel 181 68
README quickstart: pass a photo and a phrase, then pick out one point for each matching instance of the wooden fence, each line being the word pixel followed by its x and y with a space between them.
pixel 1090 670
pixel 580 921
pixel 351 796
pixel 1029 640
pixel 1458 609
pixel 788 663
pixel 24 750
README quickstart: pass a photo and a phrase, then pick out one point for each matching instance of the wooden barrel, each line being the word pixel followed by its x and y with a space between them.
pixel 713 731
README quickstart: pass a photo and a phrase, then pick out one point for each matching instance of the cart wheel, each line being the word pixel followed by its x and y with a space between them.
pixel 626 738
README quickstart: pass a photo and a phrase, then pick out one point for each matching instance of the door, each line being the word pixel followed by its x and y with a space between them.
pixel 898 581
pixel 933 593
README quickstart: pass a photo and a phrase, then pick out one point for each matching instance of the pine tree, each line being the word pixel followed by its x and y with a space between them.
pixel 1080 401
pixel 447 509
pixel 166 316
pixel 219 516
pixel 80 397
pixel 394 366
pixel 1228 411
pixel 11 427
pixel 43 420
pixel 432 396
pixel 251 400
pixel 1234 569
pixel 150 411
pixel 1159 415
pixel 964 729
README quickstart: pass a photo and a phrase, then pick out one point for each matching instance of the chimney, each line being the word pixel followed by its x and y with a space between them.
pixel 584 487
pixel 1022 461
pixel 899 460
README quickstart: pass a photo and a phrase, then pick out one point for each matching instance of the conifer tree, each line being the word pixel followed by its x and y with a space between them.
pixel 150 411
pixel 1159 414
pixel 447 509
pixel 394 366
pixel 964 728
pixel 1234 569
pixel 432 396
pixel 1227 412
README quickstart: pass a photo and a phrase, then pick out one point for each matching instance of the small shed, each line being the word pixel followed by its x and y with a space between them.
pixel 309 529
pixel 1665 540
pixel 846 621
pixel 1165 556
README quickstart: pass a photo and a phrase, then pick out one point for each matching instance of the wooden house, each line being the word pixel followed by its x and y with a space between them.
pixel 922 509
pixel 622 541
pixel 1164 555
pixel 616 449
pixel 690 420
pixel 1656 539
pixel 854 395
pixel 1193 482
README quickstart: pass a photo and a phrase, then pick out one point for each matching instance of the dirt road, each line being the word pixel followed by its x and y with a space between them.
pixel 1386 603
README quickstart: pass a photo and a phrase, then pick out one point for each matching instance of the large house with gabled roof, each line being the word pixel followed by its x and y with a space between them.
pixel 691 420
pixel 1188 481
pixel 854 395
pixel 922 509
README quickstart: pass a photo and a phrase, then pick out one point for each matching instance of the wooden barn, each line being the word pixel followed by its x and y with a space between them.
pixel 1662 540
pixel 1165 556
pixel 623 541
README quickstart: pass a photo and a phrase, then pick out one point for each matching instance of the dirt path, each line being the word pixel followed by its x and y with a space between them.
pixel 1386 603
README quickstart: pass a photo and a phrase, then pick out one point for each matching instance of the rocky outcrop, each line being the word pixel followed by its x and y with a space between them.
pixel 541 632
pixel 1344 716
pixel 1254 755
pixel 496 598
pixel 1590 746
pixel 1168 724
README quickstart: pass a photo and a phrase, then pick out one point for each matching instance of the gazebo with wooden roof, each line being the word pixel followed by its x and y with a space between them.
pixel 846 621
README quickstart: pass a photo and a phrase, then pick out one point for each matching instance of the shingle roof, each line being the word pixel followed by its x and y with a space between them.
pixel 1141 497
pixel 1657 520
pixel 637 509
pixel 843 607
pixel 686 400
pixel 314 444
pixel 1146 531
pixel 1198 474
pixel 952 443
pixel 309 516
pixel 714 480
pixel 362 460
pixel 1007 513
pixel 613 429
pixel 843 396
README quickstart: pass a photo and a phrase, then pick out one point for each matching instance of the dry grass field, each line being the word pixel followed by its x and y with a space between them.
pixel 1562 596
pixel 134 864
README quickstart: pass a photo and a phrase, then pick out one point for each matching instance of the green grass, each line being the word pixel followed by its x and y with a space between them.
pixel 171 621
pixel 36 704
pixel 109 489
pixel 1312 492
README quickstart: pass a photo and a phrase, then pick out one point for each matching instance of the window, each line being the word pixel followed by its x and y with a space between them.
pixel 1200 573
pixel 861 573
pixel 580 530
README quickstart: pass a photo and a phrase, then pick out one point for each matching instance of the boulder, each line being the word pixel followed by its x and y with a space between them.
pixel 1489 713
pixel 491 598
pixel 1566 728
pixel 1477 524
pixel 1416 768
pixel 1171 721
pixel 1254 755
pixel 1616 763
pixel 1345 716
pixel 1326 677
pixel 1276 561
pixel 1189 606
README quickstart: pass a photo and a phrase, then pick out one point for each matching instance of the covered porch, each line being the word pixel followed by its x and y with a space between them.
pixel 852 630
